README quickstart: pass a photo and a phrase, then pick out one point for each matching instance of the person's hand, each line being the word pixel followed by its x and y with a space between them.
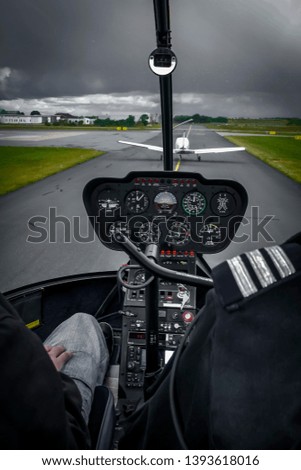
pixel 58 355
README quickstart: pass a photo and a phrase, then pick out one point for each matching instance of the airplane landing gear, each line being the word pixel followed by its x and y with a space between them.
pixel 199 158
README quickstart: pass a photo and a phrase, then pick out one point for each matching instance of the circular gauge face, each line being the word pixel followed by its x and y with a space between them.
pixel 108 201
pixel 136 201
pixel 165 202
pixel 178 233
pixel 121 226
pixel 148 232
pixel 210 234
pixel 139 277
pixel 223 204
pixel 194 203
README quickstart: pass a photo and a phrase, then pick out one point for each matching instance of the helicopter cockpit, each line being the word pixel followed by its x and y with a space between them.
pixel 165 222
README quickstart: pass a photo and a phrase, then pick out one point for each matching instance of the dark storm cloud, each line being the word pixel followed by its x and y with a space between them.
pixel 236 57
pixel 74 46
pixel 240 46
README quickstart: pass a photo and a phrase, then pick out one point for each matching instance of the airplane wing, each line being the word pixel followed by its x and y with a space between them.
pixel 217 150
pixel 149 147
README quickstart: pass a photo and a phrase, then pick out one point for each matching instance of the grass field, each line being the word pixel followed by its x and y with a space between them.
pixel 20 166
pixel 282 153
pixel 264 126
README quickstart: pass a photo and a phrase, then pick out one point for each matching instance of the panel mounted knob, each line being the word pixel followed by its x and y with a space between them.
pixel 187 316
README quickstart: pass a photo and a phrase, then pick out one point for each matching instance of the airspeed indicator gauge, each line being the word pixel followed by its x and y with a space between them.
pixel 194 203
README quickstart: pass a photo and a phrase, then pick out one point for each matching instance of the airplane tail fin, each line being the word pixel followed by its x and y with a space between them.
pixel 181 123
pixel 189 130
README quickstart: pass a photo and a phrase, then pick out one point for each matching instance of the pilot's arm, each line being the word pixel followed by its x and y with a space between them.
pixel 238 379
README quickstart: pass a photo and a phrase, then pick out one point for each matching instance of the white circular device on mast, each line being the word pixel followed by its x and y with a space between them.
pixel 162 61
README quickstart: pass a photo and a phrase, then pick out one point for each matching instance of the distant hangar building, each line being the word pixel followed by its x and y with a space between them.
pixel 21 119
pixel 17 118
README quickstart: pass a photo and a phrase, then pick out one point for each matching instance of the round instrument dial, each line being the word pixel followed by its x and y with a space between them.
pixel 118 226
pixel 136 202
pixel 165 202
pixel 148 232
pixel 210 234
pixel 194 203
pixel 108 201
pixel 178 233
pixel 223 204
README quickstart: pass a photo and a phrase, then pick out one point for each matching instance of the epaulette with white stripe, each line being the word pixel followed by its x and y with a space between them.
pixel 245 275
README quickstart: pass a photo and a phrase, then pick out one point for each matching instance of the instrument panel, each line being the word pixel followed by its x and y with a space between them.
pixel 174 210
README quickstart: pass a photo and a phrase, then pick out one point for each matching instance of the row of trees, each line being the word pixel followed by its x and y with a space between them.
pixel 128 122
pixel 199 119
pixel 107 122
pixel 144 119
pixel 294 122
pixel 18 113
pixel 3 111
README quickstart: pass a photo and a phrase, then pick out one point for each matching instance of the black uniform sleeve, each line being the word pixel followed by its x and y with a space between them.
pixel 237 380
pixel 39 407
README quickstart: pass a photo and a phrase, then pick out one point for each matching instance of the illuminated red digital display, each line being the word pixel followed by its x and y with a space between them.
pixel 137 335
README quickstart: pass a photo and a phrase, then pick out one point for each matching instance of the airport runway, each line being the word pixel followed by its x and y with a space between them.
pixel 24 263
pixel 99 140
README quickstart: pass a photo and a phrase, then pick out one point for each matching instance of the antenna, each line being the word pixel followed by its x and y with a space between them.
pixel 162 62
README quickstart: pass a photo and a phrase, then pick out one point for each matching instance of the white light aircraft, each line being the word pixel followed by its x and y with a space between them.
pixel 182 146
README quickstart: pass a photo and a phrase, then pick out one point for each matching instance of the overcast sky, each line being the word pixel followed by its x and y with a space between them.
pixel 235 57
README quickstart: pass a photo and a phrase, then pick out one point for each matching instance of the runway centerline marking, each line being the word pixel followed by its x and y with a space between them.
pixel 178 165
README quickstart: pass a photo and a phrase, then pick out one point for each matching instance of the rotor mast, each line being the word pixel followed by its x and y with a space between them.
pixel 162 62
